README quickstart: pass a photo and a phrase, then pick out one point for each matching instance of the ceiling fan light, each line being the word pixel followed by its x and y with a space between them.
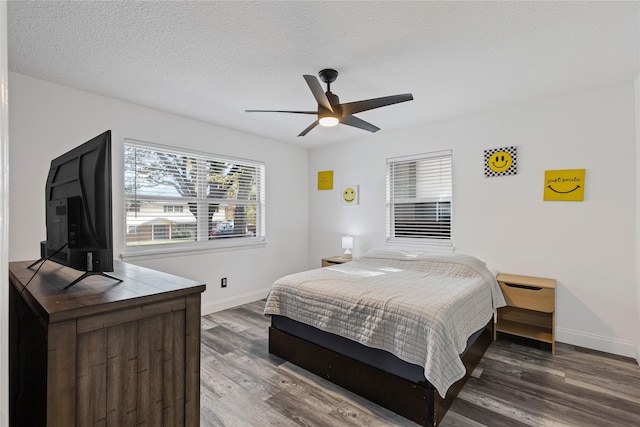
pixel 328 121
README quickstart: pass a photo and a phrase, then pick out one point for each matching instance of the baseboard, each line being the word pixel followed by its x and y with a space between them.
pixel 209 307
pixel 598 342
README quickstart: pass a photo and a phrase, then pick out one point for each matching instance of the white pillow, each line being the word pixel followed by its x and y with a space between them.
pixel 393 253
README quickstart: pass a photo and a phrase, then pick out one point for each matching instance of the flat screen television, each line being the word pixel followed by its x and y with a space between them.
pixel 78 209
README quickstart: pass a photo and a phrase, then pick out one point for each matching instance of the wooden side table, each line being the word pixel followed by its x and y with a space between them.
pixel 333 260
pixel 530 310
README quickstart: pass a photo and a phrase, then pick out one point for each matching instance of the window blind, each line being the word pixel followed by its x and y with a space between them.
pixel 177 197
pixel 419 196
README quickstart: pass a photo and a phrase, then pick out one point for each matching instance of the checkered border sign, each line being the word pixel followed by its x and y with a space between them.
pixel 488 172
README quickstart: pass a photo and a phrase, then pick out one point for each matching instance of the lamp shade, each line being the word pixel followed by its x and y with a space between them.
pixel 347 242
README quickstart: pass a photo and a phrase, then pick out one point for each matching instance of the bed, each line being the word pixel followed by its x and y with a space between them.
pixel 401 328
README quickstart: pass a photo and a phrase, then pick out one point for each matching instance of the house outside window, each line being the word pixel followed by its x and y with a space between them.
pixel 178 199
pixel 133 206
pixel 173 208
pixel 419 199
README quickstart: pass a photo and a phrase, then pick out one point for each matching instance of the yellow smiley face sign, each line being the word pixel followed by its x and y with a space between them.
pixel 350 195
pixel 500 161
pixel 564 185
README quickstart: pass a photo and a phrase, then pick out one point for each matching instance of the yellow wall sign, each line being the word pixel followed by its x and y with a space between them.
pixel 500 161
pixel 564 185
pixel 325 180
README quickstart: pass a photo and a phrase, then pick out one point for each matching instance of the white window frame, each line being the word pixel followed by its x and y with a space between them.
pixel 445 188
pixel 202 243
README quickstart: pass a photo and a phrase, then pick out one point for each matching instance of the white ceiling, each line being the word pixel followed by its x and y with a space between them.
pixel 212 60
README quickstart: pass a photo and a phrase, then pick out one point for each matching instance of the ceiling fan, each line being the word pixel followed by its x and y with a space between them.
pixel 331 112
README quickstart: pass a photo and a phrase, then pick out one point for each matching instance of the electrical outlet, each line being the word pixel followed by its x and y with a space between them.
pixel 223 282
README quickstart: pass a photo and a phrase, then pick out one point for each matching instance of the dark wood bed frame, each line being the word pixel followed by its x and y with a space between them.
pixel 419 402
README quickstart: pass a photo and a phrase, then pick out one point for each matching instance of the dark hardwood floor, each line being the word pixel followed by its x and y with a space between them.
pixel 514 385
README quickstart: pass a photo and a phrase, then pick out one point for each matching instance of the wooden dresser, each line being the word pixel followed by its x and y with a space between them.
pixel 102 352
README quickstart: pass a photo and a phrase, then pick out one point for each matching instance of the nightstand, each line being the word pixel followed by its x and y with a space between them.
pixel 333 260
pixel 530 310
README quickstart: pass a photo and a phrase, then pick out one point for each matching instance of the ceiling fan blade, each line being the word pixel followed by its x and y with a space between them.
pixel 311 126
pixel 369 104
pixel 280 111
pixel 317 91
pixel 358 123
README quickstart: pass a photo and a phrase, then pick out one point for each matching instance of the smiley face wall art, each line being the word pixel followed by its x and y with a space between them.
pixel 350 195
pixel 500 161
pixel 564 185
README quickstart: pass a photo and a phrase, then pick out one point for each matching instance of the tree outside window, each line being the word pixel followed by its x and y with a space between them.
pixel 173 197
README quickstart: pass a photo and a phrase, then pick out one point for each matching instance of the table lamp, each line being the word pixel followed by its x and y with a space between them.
pixel 347 243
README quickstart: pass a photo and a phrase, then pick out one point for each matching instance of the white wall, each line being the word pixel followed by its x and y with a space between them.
pixel 589 247
pixel 637 87
pixel 4 222
pixel 47 120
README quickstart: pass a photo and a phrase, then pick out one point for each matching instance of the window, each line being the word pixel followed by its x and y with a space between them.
pixel 180 199
pixel 173 208
pixel 419 198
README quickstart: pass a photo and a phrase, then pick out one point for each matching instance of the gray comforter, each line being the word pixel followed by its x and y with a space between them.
pixel 421 308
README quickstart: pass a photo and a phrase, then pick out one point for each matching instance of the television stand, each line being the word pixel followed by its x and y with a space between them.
pixel 103 355
pixel 82 277
pixel 43 253
pixel 36 262
pixel 44 257
pixel 91 273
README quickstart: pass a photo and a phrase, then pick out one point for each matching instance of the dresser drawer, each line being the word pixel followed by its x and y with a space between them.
pixel 529 297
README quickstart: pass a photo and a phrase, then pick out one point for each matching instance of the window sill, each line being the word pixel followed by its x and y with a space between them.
pixel 138 253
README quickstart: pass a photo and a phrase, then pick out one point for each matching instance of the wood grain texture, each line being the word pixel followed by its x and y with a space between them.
pixel 174 369
pixel 116 363
pixel 122 366
pixel 95 294
pixel 150 371
pixel 61 373
pixel 530 311
pixel 517 383
pixel 92 379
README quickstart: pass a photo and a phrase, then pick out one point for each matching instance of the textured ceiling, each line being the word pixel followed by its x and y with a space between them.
pixel 212 60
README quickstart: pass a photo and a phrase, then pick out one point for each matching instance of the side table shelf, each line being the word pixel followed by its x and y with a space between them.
pixel 530 310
